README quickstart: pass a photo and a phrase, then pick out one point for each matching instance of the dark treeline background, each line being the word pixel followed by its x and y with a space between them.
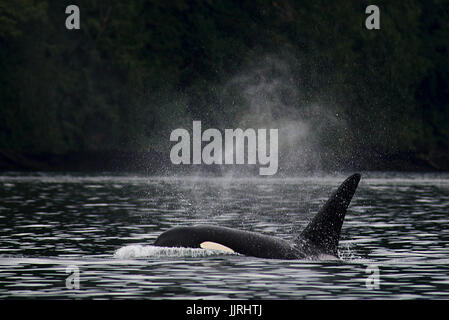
pixel 77 99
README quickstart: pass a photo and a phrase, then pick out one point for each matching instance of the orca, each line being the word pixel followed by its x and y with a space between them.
pixel 319 239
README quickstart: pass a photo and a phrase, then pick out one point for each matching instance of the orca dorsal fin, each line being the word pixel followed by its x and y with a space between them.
pixel 324 229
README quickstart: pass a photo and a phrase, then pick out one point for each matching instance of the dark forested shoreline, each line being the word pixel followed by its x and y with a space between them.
pixel 155 163
pixel 107 96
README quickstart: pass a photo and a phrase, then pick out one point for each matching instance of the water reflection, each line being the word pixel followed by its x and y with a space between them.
pixel 396 221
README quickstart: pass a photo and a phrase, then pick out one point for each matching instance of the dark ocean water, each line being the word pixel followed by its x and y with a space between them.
pixel 56 228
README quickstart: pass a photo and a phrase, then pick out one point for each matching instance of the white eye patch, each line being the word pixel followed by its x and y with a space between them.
pixel 215 246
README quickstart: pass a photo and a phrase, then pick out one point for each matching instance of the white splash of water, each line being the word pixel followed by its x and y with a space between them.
pixel 140 251
pixel 347 252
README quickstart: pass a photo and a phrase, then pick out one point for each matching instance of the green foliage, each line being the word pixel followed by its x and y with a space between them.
pixel 138 69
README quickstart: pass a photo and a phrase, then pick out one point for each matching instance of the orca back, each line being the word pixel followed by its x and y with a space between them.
pixel 242 242
pixel 320 237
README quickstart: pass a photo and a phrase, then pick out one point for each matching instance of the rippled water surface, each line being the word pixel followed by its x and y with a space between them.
pixel 100 227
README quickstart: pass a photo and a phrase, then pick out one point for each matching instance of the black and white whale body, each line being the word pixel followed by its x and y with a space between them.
pixel 319 239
